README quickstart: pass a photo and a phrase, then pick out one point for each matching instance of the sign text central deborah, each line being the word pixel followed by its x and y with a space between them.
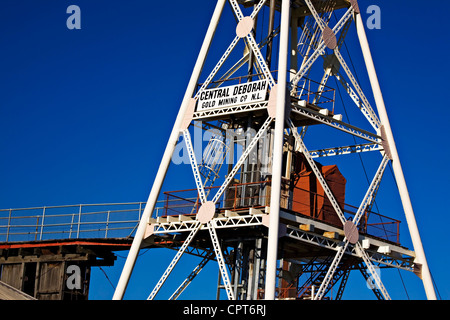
pixel 235 95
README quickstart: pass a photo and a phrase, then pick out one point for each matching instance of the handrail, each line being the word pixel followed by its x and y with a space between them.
pixel 176 203
pixel 107 220
pixel 102 220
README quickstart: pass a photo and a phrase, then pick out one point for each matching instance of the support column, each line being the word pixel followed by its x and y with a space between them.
pixel 398 172
pixel 272 244
pixel 164 165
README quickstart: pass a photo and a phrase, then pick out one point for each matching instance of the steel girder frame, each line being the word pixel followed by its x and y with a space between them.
pixel 389 153
pixel 165 161
pixel 211 224
pixel 350 225
pixel 321 241
pixel 367 199
pixel 374 139
pixel 397 168
pixel 310 61
pixel 191 277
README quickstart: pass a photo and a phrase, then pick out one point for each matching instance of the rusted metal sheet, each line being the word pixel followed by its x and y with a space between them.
pixel 308 195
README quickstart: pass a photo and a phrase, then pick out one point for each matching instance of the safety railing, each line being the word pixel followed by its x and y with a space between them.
pixel 241 196
pixel 112 220
pixel 120 220
pixel 314 92
pixel 371 223
pixel 236 197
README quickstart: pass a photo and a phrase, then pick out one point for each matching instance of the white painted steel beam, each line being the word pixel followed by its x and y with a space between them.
pixel 218 66
pixel 375 276
pixel 220 260
pixel 307 65
pixel 249 107
pixel 241 160
pixel 393 260
pixel 275 194
pixel 367 111
pixel 191 276
pixel 330 121
pixel 397 168
pixel 317 172
pixel 369 196
pixel 194 166
pixel 244 59
pixel 336 151
pixel 164 165
pixel 251 40
pixel 245 220
pixel 329 275
pixel 174 261
pixel 364 203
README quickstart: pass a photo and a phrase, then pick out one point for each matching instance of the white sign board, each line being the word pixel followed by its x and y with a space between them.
pixel 235 95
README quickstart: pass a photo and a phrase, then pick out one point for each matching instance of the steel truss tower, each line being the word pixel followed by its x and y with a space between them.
pixel 276 223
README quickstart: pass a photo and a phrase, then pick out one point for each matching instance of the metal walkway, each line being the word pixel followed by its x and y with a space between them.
pixel 41 247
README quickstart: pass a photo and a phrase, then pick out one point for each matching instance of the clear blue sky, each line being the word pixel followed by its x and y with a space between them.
pixel 85 115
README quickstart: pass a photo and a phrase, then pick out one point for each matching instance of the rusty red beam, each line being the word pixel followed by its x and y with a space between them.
pixel 61 243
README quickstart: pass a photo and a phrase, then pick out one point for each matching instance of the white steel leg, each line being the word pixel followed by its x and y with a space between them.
pixel 162 170
pixel 218 65
pixel 318 174
pixel 372 271
pixel 220 260
pixel 275 193
pixel 367 112
pixel 241 160
pixel 307 65
pixel 331 270
pixel 368 198
pixel 371 116
pixel 193 160
pixel 397 168
pixel 174 261
pixel 251 40
pixel 191 277
pixel 364 203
